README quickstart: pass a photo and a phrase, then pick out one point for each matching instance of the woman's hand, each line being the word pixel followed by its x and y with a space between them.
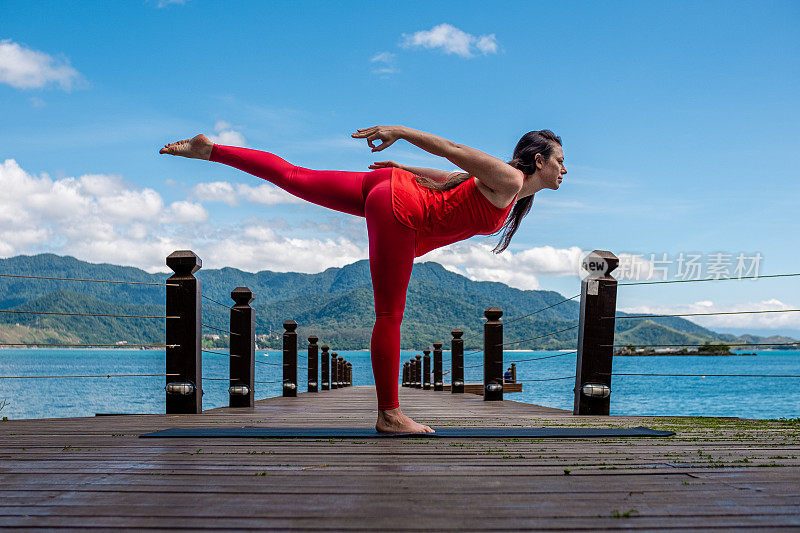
pixel 385 164
pixel 387 134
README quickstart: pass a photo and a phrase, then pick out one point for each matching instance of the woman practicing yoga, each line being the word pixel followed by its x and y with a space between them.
pixel 410 211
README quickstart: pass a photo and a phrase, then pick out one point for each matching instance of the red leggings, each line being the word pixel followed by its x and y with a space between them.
pixel 391 244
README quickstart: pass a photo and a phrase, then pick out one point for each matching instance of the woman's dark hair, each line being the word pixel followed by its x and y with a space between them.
pixel 532 143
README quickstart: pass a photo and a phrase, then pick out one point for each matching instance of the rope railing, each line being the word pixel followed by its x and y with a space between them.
pixel 219 353
pixel 90 345
pixel 511 321
pixel 540 358
pixel 265 363
pixel 658 282
pixel 90 280
pixel 91 376
pixel 82 314
pixel 706 314
pixel 721 343
pixel 703 375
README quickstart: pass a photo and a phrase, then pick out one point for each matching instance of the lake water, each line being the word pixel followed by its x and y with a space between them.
pixel 631 395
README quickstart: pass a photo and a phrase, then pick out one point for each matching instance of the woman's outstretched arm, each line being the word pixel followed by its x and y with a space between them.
pixel 493 172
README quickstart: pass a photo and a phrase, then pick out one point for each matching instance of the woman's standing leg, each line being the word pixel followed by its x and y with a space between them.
pixel 391 257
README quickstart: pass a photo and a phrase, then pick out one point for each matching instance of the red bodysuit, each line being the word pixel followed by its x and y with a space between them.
pixel 404 221
pixel 444 217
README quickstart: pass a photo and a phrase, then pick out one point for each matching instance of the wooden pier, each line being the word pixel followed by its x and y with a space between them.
pixel 80 473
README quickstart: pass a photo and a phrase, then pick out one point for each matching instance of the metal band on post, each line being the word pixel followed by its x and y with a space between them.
pixel 290 359
pixel 183 352
pixel 493 355
pixel 334 370
pixel 241 391
pixel 326 380
pixel 426 369
pixel 596 335
pixel 457 362
pixel 437 366
pixel 313 356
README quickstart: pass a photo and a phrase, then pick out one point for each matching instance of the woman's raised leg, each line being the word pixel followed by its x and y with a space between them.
pixel 335 189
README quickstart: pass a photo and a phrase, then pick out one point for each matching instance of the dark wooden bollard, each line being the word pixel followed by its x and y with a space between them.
pixel 426 369
pixel 412 372
pixel 334 370
pixel 457 362
pixel 349 374
pixel 242 342
pixel 290 359
pixel 313 356
pixel 405 374
pixel 596 335
pixel 183 356
pixel 418 372
pixel 513 372
pixel 493 355
pixel 438 384
pixel 326 382
pixel 340 372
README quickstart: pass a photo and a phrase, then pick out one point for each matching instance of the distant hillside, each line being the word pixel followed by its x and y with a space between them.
pixel 336 305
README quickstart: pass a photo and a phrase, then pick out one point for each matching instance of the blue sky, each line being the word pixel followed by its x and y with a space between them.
pixel 679 123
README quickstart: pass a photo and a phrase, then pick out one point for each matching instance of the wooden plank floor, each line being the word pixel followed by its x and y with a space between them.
pixel 81 473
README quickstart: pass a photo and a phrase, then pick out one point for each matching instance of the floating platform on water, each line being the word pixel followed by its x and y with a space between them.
pixel 714 473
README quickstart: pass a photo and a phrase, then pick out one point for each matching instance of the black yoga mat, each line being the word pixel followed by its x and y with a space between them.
pixel 349 433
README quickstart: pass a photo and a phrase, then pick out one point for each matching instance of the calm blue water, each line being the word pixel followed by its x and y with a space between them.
pixel 632 395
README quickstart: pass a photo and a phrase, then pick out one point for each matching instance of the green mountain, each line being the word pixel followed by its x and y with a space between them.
pixel 336 305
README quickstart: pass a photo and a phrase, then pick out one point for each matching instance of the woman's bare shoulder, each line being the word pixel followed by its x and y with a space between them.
pixel 497 198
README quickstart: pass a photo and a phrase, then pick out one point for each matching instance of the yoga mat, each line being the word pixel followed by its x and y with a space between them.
pixel 350 433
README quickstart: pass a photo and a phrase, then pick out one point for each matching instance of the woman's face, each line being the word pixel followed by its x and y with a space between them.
pixel 551 170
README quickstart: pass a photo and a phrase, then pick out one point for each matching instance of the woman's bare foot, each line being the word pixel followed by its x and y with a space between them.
pixel 198 147
pixel 394 421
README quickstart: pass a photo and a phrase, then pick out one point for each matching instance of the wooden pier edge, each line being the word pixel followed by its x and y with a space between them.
pixel 84 473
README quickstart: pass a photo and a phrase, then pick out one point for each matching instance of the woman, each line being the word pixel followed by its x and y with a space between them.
pixel 409 211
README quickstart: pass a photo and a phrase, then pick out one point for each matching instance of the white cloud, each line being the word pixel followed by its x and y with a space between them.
pixel 234 193
pixel 452 41
pixel 388 67
pixel 161 4
pixel 516 269
pixel 225 134
pixel 762 320
pixel 24 68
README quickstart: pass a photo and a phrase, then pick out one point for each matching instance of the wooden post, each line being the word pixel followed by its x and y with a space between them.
pixel 183 300
pixel 334 370
pixel 290 359
pixel 493 355
pixel 340 372
pixel 313 356
pixel 405 374
pixel 437 366
pixel 241 392
pixel 349 374
pixel 326 383
pixel 513 372
pixel 418 372
pixel 596 335
pixel 426 370
pixel 457 362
